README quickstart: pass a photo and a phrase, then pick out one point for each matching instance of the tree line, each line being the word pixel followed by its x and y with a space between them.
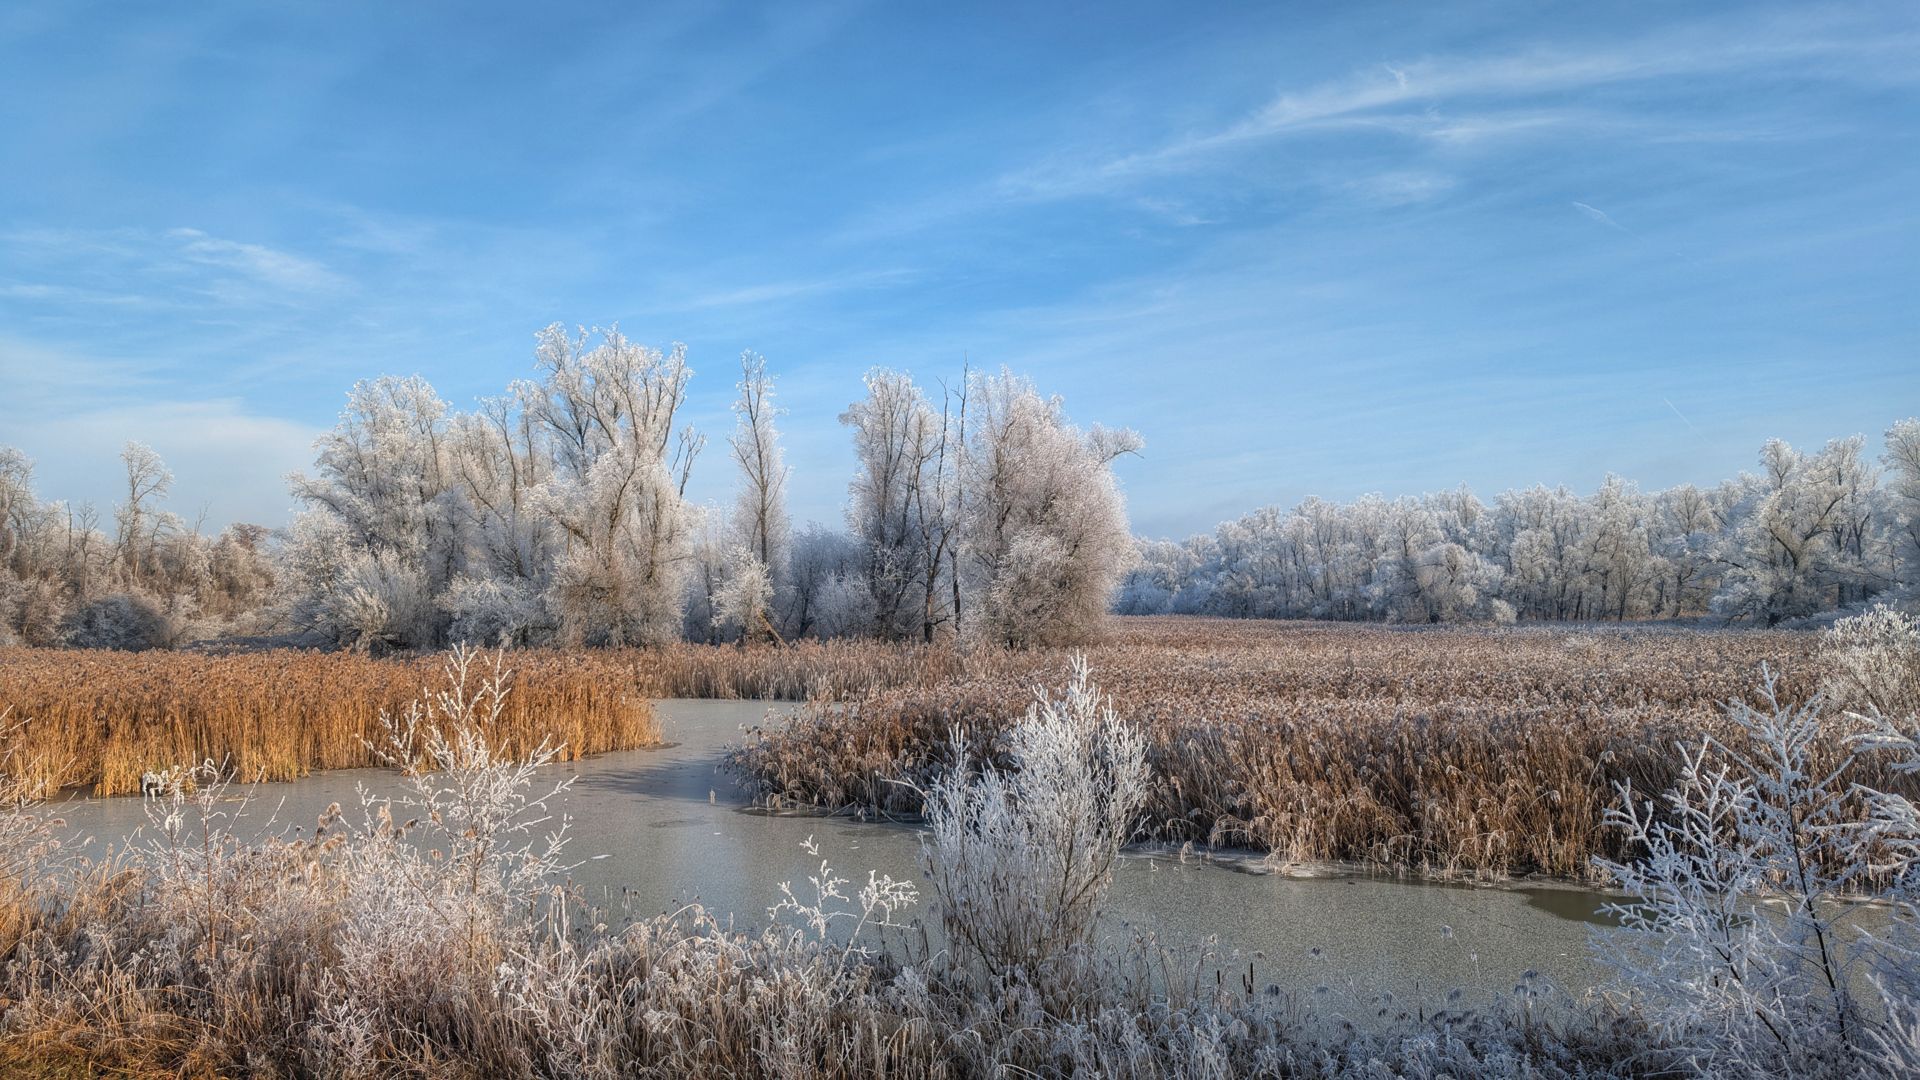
pixel 1804 534
pixel 557 513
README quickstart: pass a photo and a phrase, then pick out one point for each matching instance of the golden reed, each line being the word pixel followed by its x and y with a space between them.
pixel 106 719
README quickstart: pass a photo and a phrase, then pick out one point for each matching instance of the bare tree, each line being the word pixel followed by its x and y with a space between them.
pixel 137 523
pixel 895 438
pixel 759 555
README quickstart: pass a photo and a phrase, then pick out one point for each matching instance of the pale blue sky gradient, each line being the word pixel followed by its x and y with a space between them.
pixel 1303 248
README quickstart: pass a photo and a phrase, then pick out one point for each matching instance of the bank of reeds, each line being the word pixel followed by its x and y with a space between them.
pixel 1473 752
pixel 450 947
pixel 109 719
pixel 805 670
pixel 1461 752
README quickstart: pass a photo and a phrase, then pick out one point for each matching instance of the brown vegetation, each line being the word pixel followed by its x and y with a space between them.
pixel 451 947
pixel 1476 752
pixel 1455 751
pixel 108 719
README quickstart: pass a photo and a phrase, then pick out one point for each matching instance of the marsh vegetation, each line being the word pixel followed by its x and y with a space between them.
pixel 434 933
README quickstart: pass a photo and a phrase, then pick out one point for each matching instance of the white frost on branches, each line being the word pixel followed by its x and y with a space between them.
pixel 1021 857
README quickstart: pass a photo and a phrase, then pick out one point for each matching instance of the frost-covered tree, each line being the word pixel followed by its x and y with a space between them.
pixel 1045 524
pixel 1808 534
pixel 894 443
pixel 825 595
pixel 153 583
pixel 1802 542
pixel 758 557
pixel 139 526
pixel 760 509
pixel 1903 468
pixel 501 455
pixel 616 489
pixel 383 475
pixel 384 532
pixel 553 512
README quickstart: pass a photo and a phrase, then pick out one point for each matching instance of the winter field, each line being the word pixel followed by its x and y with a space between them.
pixel 436 922
pixel 1686 716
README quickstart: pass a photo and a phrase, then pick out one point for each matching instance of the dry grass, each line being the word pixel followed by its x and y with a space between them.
pixel 1453 751
pixel 107 719
pixel 803 671
pixel 450 947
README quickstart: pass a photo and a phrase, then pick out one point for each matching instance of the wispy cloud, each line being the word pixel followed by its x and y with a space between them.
pixel 178 266
pixel 1464 98
pixel 1594 213
pixel 255 262
pixel 1403 187
pixel 777 291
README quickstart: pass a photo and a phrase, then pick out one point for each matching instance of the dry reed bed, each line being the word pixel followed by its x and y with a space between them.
pixel 106 719
pixel 1475 752
pixel 267 962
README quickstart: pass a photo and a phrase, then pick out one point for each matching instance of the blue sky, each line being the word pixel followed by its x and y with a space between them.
pixel 1303 248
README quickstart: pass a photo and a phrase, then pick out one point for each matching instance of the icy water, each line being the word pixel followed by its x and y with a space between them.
pixel 662 828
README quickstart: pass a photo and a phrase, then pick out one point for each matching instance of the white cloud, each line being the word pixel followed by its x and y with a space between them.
pixel 180 267
pixel 71 414
pixel 1403 187
pixel 1596 214
pixel 1488 89
pixel 258 262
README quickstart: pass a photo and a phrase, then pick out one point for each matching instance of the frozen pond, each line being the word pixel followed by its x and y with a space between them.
pixel 671 828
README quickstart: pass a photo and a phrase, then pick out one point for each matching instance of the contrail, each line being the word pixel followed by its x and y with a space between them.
pixel 1599 215
pixel 1681 415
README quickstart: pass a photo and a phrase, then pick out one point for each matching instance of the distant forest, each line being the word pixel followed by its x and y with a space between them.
pixel 1806 534
pixel 556 514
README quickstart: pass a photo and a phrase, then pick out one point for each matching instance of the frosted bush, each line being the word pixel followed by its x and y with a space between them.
pixel 432 906
pixel 1021 857
pixel 1740 942
pixel 381 604
pixel 742 604
pixel 494 611
pixel 126 620
pixel 1871 662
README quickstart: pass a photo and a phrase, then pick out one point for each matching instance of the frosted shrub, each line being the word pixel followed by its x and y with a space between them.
pixel 381 604
pixel 741 605
pixel 477 793
pixel 432 907
pixel 494 611
pixel 120 621
pixel 1894 822
pixel 879 900
pixel 1021 857
pixel 1872 662
pixel 1741 941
